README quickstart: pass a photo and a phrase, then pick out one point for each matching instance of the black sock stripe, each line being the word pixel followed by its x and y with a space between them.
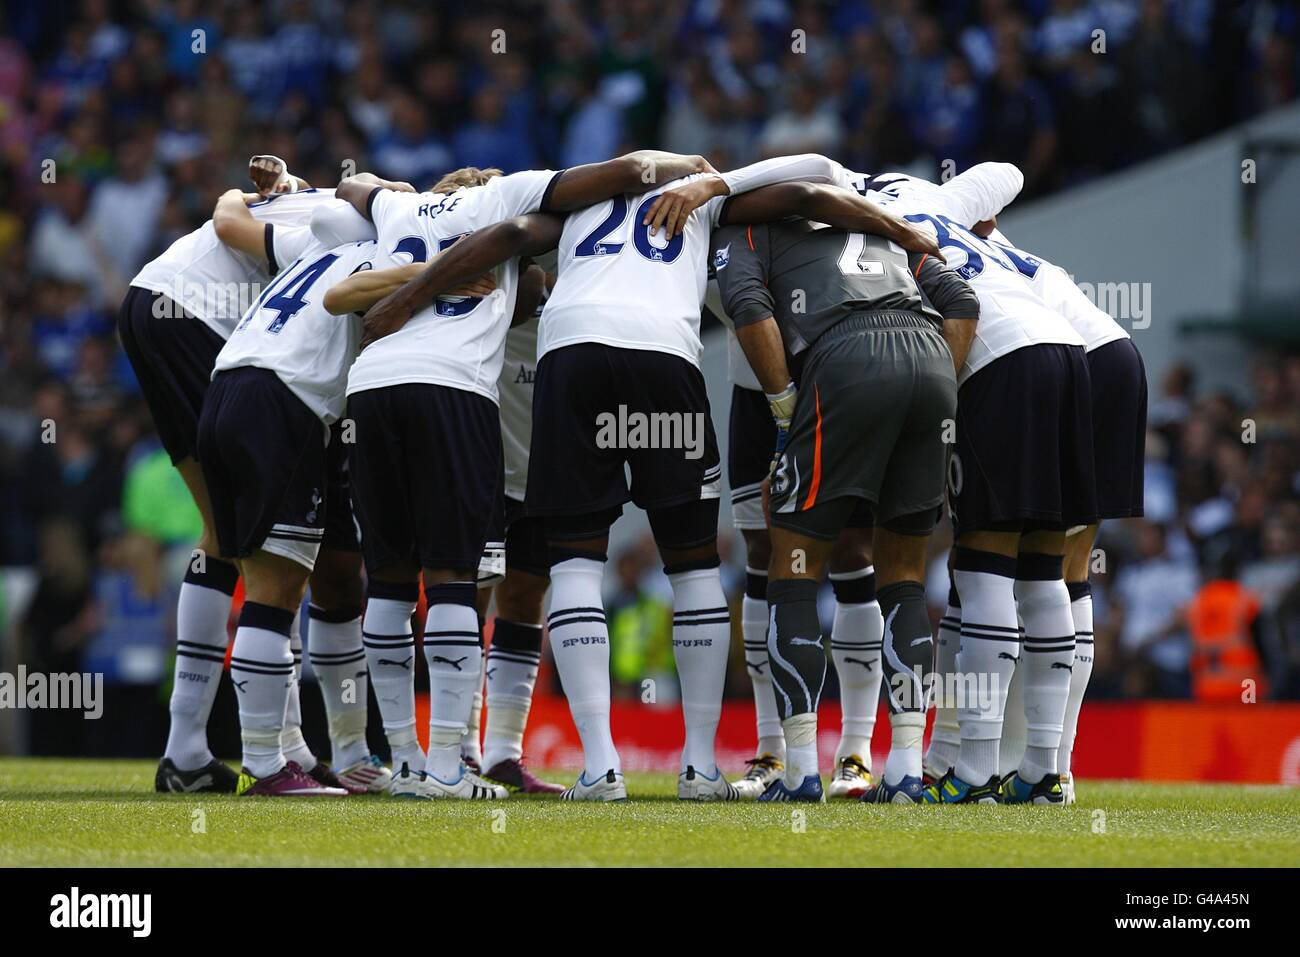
pixel 1002 628
pixel 577 620
pixel 182 653
pixel 568 611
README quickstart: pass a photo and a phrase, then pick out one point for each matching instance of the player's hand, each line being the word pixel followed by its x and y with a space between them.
pixel 673 207
pixel 383 319
pixel 270 175
pixel 915 239
pixel 984 228
pixel 476 288
pixel 766 489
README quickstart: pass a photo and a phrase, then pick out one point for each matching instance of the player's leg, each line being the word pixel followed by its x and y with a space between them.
pixel 751 438
pixel 334 645
pixel 580 645
pixel 172 355
pixel 202 615
pixel 453 460
pixel 491 571
pixel 768 762
pixel 945 735
pixel 796 650
pixel 855 651
pixel 514 656
pixel 381 499
pixel 1078 558
pixel 1044 606
pixel 686 535
pixel 1004 476
pixel 1041 592
pixel 984 573
pixel 908 652
pixel 910 496
pixel 263 459
pixel 453 651
pixel 261 667
pixel 292 742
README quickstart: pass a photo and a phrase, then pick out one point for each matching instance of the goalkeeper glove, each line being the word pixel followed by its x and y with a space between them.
pixel 782 407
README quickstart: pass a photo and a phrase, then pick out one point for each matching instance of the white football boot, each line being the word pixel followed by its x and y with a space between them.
pixel 368 775
pixel 1067 787
pixel 851 779
pixel 468 786
pixel 607 787
pixel 695 786
pixel 406 783
pixel 763 770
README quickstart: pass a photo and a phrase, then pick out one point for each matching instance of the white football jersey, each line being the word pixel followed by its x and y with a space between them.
pixel 515 388
pixel 457 341
pixel 622 287
pixel 979 194
pixel 1012 312
pixel 1093 324
pixel 217 284
pixel 289 332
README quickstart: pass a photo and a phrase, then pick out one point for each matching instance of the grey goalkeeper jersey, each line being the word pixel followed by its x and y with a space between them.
pixel 810 277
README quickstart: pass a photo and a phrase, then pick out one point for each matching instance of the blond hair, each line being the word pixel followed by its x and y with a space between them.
pixel 464 177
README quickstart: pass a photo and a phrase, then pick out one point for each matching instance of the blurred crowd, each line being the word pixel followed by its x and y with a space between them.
pixel 121 122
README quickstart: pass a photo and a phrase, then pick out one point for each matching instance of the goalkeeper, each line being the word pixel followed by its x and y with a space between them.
pixel 876 336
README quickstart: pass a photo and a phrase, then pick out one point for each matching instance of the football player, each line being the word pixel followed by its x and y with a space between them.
pixel 271 449
pixel 863 321
pixel 623 321
pixel 858 625
pixel 1021 476
pixel 177 314
pixel 426 467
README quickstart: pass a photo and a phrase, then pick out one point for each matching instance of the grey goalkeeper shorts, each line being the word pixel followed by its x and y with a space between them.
pixel 874 421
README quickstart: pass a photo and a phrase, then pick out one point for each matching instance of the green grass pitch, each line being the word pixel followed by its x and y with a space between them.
pixel 104 813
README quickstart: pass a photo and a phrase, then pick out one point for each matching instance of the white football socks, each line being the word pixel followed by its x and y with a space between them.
pixel 339 661
pixel 1044 604
pixel 1081 612
pixel 800 748
pixel 453 650
pixel 261 668
pixel 907 730
pixel 990 645
pixel 202 613
pixel 580 645
pixel 292 742
pixel 511 669
pixel 945 736
pixel 701 640
pixel 855 650
pixel 471 746
pixel 753 628
pixel 390 658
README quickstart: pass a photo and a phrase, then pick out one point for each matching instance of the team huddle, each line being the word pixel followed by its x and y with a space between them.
pixel 890 351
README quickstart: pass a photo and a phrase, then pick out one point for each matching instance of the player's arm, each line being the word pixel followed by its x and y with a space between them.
pixel 358 189
pixel 837 207
pixel 479 252
pixel 981 192
pixel 363 289
pixel 955 301
pixel 235 225
pixel 672 208
pixel 743 289
pixel 637 172
pixel 532 289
